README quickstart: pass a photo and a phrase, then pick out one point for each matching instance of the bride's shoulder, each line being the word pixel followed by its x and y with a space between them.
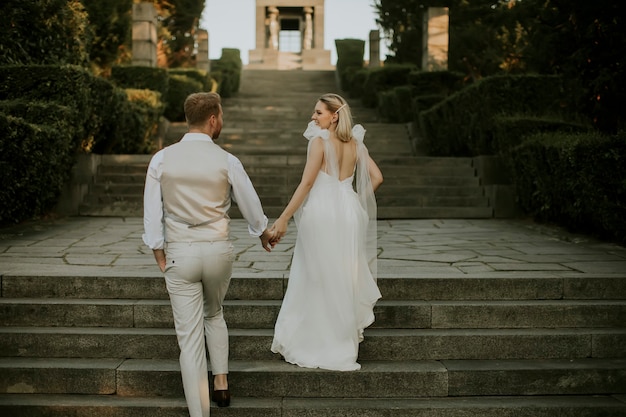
pixel 313 131
pixel 358 133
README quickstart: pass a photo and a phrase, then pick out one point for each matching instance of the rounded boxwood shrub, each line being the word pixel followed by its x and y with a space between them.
pixel 35 161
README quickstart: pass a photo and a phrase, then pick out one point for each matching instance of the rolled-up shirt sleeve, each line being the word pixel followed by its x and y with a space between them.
pixel 244 194
pixel 154 235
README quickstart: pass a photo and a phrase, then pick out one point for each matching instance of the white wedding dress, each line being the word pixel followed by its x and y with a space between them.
pixel 332 284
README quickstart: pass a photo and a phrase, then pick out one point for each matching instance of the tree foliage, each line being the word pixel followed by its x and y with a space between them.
pixel 179 25
pixel 401 22
pixel 580 39
pixel 44 32
pixel 585 41
pixel 110 22
pixel 485 37
pixel 95 32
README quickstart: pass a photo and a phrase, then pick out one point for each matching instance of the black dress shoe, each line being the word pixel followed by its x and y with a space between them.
pixel 221 397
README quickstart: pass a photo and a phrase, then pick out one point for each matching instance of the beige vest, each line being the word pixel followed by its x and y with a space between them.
pixel 196 192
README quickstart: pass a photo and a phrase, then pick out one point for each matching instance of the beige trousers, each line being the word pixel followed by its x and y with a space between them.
pixel 197 276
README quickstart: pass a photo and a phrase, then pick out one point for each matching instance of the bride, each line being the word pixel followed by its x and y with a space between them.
pixel 332 283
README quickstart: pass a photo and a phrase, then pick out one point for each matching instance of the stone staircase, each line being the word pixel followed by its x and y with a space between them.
pixel 503 345
pixel 263 126
pixel 498 344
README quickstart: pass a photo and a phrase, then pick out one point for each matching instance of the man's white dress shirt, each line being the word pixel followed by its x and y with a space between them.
pixel 242 192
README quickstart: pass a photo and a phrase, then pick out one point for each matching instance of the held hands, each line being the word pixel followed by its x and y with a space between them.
pixel 267 240
pixel 279 228
pixel 272 236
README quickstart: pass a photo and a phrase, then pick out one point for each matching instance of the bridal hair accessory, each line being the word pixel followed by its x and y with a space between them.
pixel 337 111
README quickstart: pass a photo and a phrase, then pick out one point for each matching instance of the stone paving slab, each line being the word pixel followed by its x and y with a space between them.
pixel 88 246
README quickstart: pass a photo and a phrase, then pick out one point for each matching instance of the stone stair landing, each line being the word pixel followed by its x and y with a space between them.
pixel 479 318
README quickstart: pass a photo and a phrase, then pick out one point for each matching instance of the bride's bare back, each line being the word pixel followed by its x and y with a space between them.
pixel 346 153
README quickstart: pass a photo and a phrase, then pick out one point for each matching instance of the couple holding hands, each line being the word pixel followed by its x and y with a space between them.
pixel 332 282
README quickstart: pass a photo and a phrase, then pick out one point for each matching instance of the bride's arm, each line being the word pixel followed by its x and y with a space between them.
pixel 313 165
pixel 376 176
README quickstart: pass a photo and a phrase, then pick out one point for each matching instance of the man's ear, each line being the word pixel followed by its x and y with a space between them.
pixel 212 122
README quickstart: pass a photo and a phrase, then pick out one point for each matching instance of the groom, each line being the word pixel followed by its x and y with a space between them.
pixel 188 192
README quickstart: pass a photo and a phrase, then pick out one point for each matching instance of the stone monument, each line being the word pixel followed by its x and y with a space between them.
pixel 290 35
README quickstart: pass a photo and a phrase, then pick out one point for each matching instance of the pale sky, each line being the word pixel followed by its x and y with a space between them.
pixel 231 24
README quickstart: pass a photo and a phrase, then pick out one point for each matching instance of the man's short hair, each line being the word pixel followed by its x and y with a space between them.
pixel 199 107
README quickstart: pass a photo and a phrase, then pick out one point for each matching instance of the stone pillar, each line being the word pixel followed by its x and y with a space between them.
pixel 374 49
pixel 202 60
pixel 317 58
pixel 435 39
pixel 144 39
pixel 308 28
pixel 318 27
pixel 262 28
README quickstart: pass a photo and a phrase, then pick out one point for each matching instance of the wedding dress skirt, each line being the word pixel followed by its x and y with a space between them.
pixel 331 291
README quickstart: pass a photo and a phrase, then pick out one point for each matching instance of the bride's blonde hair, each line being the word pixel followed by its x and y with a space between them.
pixel 336 104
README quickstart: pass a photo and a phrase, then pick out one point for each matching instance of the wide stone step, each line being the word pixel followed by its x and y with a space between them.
pixel 264 158
pixel 139 163
pixel 496 286
pixel 379 344
pixel 376 379
pixel 273 163
pixel 389 171
pixel 129 206
pixel 29 405
pixel 268 140
pixel 262 314
pixel 123 208
pixel 272 201
pixel 265 188
pixel 274 177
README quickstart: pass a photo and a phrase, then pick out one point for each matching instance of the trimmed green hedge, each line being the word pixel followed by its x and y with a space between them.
pixel 67 85
pixel 383 79
pixel 436 82
pixel 40 112
pixel 356 79
pixel 422 90
pixel 147 108
pixel 463 123
pixel 201 76
pixel 349 59
pixel 128 120
pixel 510 130
pixel 101 115
pixel 227 72
pixel 51 112
pixel 138 77
pixel 35 161
pixel 180 87
pixel 394 105
pixel 576 180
